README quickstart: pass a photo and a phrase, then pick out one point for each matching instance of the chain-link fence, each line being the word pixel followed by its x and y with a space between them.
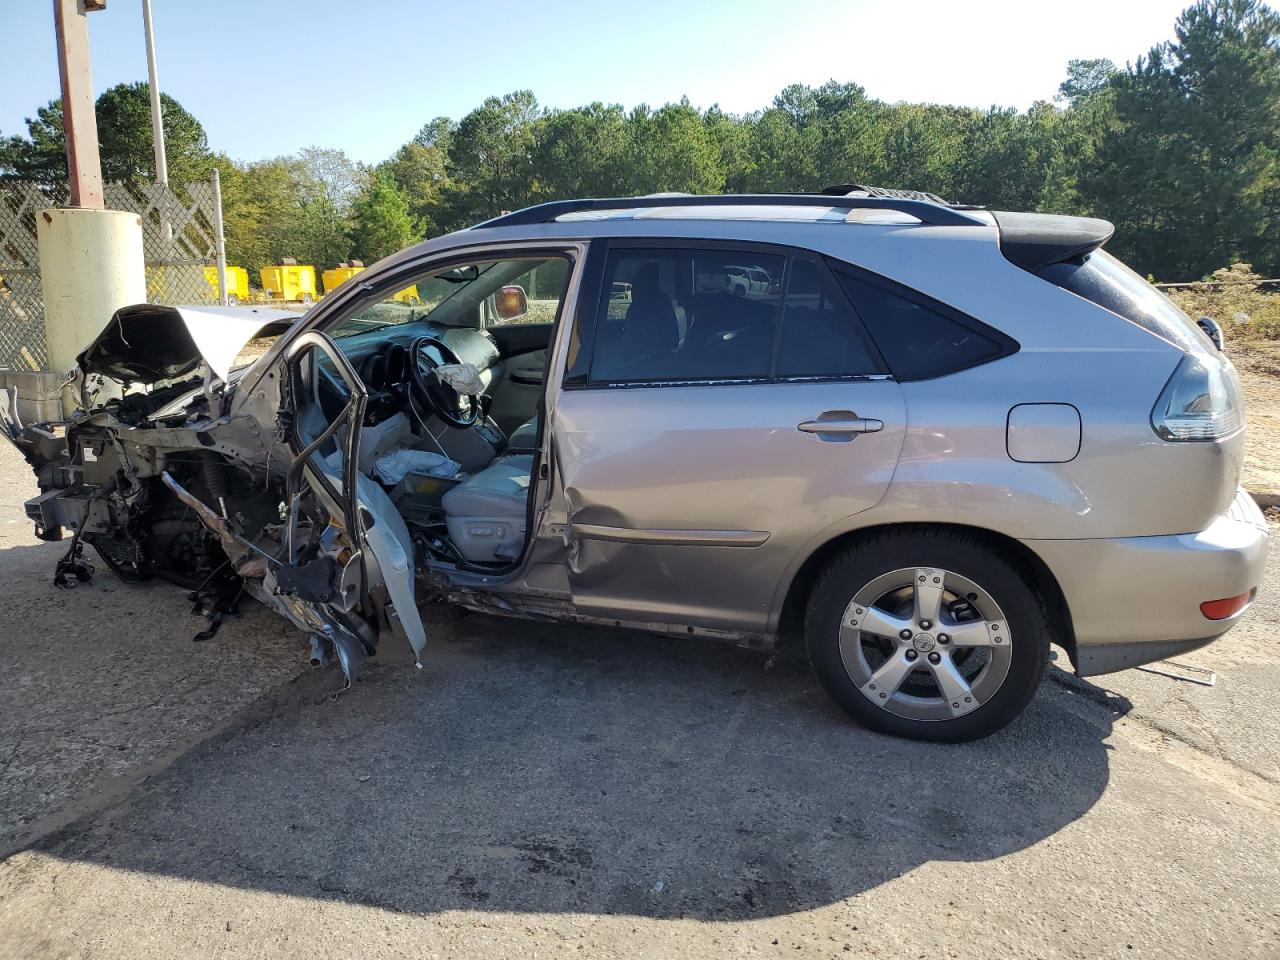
pixel 179 244
pixel 22 345
pixel 179 237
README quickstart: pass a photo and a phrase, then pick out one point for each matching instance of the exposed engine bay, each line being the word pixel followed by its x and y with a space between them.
pixel 314 480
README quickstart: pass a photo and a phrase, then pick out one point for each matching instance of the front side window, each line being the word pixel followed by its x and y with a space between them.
pixel 481 294
pixel 543 288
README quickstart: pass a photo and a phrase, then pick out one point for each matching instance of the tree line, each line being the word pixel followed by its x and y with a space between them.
pixel 1180 149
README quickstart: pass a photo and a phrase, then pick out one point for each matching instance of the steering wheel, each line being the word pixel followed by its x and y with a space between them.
pixel 453 408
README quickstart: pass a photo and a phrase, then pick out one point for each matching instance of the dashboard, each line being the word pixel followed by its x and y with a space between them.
pixel 381 357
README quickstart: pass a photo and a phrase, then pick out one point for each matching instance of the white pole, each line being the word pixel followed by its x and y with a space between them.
pixel 157 127
pixel 220 245
pixel 157 118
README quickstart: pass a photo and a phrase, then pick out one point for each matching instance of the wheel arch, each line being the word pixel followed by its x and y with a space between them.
pixel 791 616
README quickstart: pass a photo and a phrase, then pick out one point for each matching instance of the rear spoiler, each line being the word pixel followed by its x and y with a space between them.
pixel 1036 240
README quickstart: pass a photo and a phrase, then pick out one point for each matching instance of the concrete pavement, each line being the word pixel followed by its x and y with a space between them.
pixel 554 791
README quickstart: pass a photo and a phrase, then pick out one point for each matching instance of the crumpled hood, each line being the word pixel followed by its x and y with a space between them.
pixel 147 342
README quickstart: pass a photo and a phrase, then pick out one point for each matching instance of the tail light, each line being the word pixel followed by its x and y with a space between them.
pixel 1201 401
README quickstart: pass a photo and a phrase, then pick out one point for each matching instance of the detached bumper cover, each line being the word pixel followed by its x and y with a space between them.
pixel 1134 600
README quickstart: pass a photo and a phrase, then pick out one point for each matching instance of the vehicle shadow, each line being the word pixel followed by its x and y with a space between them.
pixel 546 768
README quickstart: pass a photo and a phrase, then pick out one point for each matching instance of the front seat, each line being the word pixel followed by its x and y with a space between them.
pixel 486 512
pixel 525 436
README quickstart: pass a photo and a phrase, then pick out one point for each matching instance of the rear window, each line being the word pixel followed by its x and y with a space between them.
pixel 919 338
pixel 1102 279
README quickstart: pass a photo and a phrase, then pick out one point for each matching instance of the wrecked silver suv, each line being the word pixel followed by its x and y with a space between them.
pixel 921 440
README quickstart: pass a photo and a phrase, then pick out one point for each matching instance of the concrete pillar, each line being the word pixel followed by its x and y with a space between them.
pixel 91 265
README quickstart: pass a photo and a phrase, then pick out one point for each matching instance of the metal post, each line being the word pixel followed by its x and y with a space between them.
pixel 157 115
pixel 219 242
pixel 79 123
pixel 157 127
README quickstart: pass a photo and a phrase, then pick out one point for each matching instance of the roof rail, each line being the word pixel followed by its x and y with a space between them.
pixel 926 211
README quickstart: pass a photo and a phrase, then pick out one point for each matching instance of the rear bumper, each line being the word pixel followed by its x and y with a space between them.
pixel 1137 599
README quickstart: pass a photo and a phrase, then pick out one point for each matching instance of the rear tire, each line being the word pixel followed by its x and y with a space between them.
pixel 927 634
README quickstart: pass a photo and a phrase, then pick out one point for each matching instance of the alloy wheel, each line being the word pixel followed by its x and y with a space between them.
pixel 925 643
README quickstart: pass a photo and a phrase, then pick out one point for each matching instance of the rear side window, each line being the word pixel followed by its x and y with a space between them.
pixel 820 335
pixel 687 314
pixel 700 314
pixel 1102 279
pixel 919 338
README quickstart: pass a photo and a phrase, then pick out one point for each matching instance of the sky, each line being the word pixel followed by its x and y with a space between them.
pixel 268 77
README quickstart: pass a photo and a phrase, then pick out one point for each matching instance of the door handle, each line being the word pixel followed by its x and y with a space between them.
pixel 839 426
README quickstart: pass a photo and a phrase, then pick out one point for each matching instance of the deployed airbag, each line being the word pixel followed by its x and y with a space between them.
pixel 462 377
pixel 394 466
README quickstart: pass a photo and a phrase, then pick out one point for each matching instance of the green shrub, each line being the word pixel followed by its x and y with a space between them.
pixel 1233 298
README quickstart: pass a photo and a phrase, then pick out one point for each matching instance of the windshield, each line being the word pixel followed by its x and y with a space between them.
pixel 415 302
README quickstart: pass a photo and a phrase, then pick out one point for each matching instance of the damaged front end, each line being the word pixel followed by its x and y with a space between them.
pixel 176 467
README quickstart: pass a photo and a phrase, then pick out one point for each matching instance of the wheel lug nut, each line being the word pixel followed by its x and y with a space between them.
pixel 944 639
pixel 935 657
pixel 904 634
pixel 926 624
pixel 911 655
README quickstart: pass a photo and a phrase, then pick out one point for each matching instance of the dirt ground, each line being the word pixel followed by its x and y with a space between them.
pixel 552 791
pixel 1259 367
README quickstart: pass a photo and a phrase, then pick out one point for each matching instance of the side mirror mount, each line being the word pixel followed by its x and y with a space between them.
pixel 510 303
pixel 1212 329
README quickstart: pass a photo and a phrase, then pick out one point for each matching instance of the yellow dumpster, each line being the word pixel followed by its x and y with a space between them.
pixel 237 284
pixel 340 274
pixel 408 295
pixel 349 268
pixel 288 280
pixel 157 287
